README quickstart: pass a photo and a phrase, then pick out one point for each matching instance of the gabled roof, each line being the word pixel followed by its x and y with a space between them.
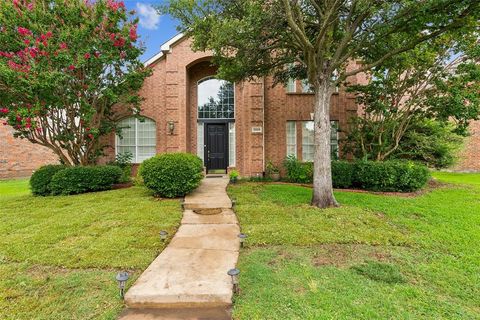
pixel 164 49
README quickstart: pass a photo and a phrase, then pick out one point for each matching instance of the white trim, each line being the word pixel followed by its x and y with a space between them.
pixel 164 49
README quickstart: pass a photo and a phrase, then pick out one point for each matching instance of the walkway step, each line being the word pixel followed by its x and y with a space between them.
pixel 226 217
pixel 184 278
pixel 192 271
pixel 177 314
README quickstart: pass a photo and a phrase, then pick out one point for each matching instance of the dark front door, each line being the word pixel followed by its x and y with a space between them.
pixel 217 146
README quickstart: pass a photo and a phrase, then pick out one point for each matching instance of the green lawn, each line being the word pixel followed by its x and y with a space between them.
pixel 376 257
pixel 59 255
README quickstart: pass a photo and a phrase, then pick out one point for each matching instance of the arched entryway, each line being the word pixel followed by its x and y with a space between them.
pixel 216 123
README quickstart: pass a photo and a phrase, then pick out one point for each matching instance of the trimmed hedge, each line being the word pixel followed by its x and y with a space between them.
pixel 172 174
pixel 387 176
pixel 403 176
pixel 76 180
pixel 41 178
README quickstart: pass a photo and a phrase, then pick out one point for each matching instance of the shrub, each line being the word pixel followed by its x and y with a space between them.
pixel 234 174
pixel 76 180
pixel 172 174
pixel 41 178
pixel 298 172
pixel 342 174
pixel 403 176
pixel 124 162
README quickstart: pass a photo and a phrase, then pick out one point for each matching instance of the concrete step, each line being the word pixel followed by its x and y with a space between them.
pixel 177 314
pixel 185 278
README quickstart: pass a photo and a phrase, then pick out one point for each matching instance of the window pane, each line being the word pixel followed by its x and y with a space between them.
pixel 121 150
pixel 306 87
pixel 291 138
pixel 146 133
pixel 139 138
pixel 145 153
pixel 291 86
pixel 334 139
pixel 216 99
pixel 200 140
pixel 308 147
pixel 128 132
pixel 231 144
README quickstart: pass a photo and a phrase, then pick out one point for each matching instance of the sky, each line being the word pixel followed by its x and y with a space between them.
pixel 154 29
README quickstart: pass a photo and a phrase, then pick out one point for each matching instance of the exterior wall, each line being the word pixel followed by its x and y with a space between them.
pixel 19 157
pixel 469 158
pixel 170 94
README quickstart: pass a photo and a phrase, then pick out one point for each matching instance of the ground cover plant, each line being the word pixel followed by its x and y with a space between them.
pixel 59 255
pixel 376 257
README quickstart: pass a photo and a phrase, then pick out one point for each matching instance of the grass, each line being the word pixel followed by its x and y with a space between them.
pixel 59 255
pixel 375 257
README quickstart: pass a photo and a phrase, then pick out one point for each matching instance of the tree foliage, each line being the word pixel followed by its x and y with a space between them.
pixel 423 94
pixel 316 40
pixel 63 66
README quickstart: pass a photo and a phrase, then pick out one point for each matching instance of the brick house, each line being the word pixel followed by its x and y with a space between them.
pixel 241 125
pixel 19 157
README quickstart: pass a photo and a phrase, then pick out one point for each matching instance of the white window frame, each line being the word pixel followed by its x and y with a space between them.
pixel 291 86
pixel 306 87
pixel 334 125
pixel 232 150
pixel 294 138
pixel 136 146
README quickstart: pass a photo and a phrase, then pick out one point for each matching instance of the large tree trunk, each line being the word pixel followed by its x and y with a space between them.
pixel 322 173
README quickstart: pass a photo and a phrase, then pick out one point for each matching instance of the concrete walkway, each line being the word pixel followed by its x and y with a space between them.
pixel 192 271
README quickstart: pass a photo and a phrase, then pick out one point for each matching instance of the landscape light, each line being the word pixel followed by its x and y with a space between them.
pixel 122 278
pixel 242 237
pixel 163 235
pixel 233 273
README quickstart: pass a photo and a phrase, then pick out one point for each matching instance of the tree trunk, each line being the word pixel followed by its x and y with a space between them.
pixel 322 169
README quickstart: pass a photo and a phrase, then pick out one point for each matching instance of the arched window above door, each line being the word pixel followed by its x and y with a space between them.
pixel 216 99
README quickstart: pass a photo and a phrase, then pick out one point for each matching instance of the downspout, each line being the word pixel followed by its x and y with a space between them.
pixel 263 124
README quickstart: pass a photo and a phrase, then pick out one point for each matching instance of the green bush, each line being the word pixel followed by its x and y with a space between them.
pixel 41 178
pixel 402 176
pixel 172 174
pixel 342 174
pixel 76 180
pixel 298 172
pixel 124 162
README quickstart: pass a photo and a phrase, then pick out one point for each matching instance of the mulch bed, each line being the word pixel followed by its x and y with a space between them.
pixel 122 185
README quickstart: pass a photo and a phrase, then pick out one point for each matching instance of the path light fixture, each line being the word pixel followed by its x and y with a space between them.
pixel 163 235
pixel 122 278
pixel 234 204
pixel 182 204
pixel 233 273
pixel 243 237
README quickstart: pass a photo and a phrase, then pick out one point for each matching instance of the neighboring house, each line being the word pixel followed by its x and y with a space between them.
pixel 241 125
pixel 20 157
pixel 469 158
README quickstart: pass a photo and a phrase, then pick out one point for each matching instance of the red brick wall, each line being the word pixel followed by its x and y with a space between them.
pixel 171 95
pixel 19 157
pixel 469 158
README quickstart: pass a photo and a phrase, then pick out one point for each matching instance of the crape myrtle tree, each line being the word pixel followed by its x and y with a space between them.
pixel 63 66
pixel 437 82
pixel 315 40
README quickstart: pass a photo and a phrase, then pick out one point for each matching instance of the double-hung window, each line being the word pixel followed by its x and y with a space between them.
pixel 138 136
